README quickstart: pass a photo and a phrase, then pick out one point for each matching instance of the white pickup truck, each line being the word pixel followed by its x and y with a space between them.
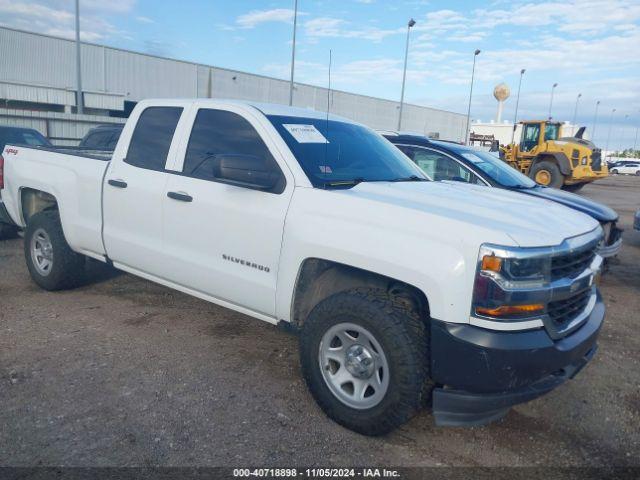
pixel 405 292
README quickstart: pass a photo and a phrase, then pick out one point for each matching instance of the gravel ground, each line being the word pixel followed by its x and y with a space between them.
pixel 122 372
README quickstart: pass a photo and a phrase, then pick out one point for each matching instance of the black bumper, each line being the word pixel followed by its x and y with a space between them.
pixel 483 373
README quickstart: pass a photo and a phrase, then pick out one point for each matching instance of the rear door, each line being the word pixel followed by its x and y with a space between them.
pixel 224 240
pixel 134 188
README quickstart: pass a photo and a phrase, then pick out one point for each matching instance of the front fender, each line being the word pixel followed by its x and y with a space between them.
pixel 396 246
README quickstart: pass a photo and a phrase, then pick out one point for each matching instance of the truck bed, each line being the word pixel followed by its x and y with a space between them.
pixel 72 176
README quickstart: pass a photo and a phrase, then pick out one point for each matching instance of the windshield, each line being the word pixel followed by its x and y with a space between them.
pixel 497 170
pixel 333 153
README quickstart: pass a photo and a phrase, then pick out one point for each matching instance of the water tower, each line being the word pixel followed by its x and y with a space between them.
pixel 501 92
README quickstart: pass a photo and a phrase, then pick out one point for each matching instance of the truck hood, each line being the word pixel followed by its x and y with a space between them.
pixel 529 221
pixel 600 212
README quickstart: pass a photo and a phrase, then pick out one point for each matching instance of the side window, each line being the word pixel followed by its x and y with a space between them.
pixel 152 137
pixel 216 133
pixel 442 167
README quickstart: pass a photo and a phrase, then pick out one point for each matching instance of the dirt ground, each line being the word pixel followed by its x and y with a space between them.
pixel 122 372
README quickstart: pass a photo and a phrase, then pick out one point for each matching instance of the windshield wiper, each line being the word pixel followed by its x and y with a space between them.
pixel 344 183
pixel 412 178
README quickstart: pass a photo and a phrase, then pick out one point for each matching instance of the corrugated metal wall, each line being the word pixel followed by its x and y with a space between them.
pixel 63 129
pixel 33 59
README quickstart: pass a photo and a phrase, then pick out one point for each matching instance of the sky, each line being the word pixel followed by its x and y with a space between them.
pixel 588 47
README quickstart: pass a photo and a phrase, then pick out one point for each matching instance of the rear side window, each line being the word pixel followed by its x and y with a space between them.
pixel 152 137
pixel 218 132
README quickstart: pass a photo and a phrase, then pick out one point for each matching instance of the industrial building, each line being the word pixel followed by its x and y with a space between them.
pixel 38 89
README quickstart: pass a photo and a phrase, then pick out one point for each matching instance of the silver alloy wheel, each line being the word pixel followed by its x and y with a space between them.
pixel 42 252
pixel 353 365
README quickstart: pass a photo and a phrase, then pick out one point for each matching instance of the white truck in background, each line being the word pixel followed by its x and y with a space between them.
pixel 404 291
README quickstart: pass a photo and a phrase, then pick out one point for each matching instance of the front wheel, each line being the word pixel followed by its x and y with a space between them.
pixel 51 262
pixel 365 358
pixel 637 173
pixel 614 172
pixel 547 173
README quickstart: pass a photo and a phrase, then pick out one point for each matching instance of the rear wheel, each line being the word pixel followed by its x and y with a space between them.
pixel 8 231
pixel 51 262
pixel 365 359
pixel 547 173
pixel 638 173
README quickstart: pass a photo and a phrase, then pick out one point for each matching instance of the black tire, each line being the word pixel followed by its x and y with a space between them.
pixel 556 178
pixel 638 173
pixel 8 231
pixel 574 188
pixel 67 267
pixel 614 172
pixel 404 339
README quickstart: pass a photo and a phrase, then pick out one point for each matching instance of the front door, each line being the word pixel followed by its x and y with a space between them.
pixel 223 240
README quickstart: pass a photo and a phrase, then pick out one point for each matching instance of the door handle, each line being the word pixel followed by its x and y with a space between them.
pixel 118 183
pixel 180 196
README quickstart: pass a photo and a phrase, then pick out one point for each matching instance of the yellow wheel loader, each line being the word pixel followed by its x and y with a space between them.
pixel 553 160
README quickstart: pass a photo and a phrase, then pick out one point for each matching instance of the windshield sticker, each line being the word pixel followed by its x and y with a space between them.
pixel 472 157
pixel 305 133
pixel 325 169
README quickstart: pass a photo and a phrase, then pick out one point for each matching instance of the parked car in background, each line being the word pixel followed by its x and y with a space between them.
pixel 636 220
pixel 403 290
pixel 453 161
pixel 102 137
pixel 15 136
pixel 626 169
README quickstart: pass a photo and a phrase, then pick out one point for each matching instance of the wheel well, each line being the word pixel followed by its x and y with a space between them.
pixel 318 279
pixel 36 201
pixel 558 158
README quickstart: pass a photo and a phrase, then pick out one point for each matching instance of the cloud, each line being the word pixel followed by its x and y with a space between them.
pixel 57 17
pixel 142 19
pixel 257 17
pixel 339 28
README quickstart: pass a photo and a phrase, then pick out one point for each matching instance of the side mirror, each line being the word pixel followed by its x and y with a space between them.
pixel 248 171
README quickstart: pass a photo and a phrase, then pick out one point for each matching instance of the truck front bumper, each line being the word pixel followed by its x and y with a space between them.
pixel 482 373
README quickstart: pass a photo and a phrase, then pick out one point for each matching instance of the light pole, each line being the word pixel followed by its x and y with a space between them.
pixel 79 99
pixel 575 110
pixel 626 118
pixel 410 24
pixel 293 50
pixel 473 71
pixel 595 121
pixel 613 110
pixel 515 117
pixel 551 101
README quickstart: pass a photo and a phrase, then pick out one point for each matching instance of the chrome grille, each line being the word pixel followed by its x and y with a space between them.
pixel 563 311
pixel 572 264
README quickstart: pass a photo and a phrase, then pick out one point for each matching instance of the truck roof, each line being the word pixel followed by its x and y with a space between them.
pixel 265 108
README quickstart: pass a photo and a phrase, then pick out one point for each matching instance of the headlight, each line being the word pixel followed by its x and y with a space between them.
pixel 514 267
pixel 504 269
